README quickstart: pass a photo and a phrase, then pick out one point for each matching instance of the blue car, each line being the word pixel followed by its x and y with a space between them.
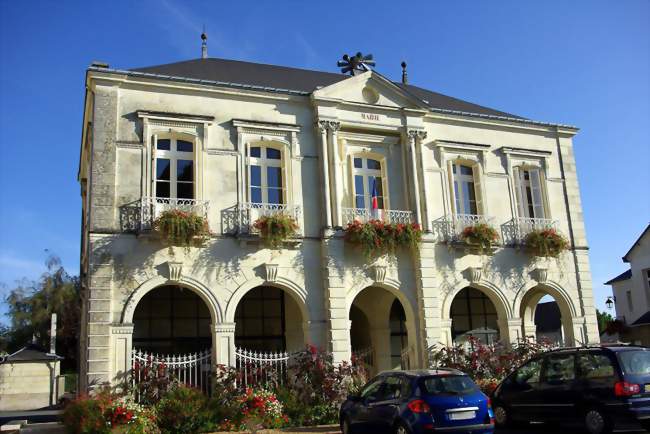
pixel 414 402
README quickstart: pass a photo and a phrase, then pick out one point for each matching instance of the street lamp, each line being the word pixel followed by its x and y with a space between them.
pixel 610 301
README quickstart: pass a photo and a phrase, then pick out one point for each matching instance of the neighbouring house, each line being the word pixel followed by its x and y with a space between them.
pixel 631 293
pixel 29 379
pixel 237 142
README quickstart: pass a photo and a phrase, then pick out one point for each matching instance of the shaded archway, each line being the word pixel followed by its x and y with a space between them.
pixel 172 319
pixel 473 314
pixel 267 319
pixel 382 324
pixel 547 313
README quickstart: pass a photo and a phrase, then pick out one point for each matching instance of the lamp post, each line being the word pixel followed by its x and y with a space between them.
pixel 610 301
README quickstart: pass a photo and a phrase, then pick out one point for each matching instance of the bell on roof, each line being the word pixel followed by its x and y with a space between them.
pixel 356 64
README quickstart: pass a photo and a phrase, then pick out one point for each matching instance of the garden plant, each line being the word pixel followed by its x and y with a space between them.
pixel 276 229
pixel 377 237
pixel 181 228
pixel 481 236
pixel 545 243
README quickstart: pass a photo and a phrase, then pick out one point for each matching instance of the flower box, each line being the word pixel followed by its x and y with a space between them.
pixel 276 229
pixel 377 237
pixel 480 237
pixel 181 228
pixel 545 243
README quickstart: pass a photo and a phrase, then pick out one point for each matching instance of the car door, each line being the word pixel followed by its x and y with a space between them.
pixel 596 378
pixel 557 387
pixel 385 410
pixel 359 414
pixel 521 392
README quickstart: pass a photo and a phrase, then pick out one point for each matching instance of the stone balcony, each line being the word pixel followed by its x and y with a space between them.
pixel 240 219
pixel 450 228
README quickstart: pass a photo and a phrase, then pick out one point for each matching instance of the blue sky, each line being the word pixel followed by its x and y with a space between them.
pixel 585 63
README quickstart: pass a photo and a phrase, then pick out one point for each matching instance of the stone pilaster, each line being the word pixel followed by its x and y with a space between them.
pixel 337 187
pixel 325 176
pixel 336 311
pixel 121 338
pixel 414 138
pixel 510 330
pixel 429 302
pixel 223 344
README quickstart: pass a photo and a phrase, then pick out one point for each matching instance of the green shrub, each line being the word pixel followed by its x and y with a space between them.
pixel 180 228
pixel 182 410
pixel 85 415
pixel 275 229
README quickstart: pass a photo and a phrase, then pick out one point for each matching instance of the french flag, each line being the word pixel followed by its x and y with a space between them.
pixel 375 199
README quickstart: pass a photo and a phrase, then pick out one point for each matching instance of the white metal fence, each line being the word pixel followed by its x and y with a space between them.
pixel 261 367
pixel 194 369
pixel 249 212
pixel 387 215
pixel 152 207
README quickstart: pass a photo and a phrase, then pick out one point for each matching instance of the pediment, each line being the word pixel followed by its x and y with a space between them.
pixel 369 88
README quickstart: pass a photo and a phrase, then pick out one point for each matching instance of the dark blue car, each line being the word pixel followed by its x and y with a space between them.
pixel 414 402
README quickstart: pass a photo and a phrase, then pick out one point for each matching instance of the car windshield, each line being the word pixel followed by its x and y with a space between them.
pixel 635 362
pixel 448 385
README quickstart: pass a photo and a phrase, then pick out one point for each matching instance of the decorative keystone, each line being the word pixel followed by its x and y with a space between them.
pixel 175 270
pixel 271 272
pixel 379 272
pixel 474 274
pixel 540 274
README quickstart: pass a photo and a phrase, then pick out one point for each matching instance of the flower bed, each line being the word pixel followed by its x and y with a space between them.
pixel 487 364
pixel 481 236
pixel 276 229
pixel 180 228
pixel 377 237
pixel 546 243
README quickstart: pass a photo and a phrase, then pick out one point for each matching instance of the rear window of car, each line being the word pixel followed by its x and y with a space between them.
pixel 635 362
pixel 448 385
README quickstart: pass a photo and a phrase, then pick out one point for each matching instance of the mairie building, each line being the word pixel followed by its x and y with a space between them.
pixel 236 141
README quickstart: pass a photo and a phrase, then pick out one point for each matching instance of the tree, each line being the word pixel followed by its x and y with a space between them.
pixel 31 304
pixel 603 319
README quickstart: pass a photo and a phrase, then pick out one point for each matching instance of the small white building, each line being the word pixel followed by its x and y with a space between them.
pixel 28 379
pixel 236 140
pixel 631 292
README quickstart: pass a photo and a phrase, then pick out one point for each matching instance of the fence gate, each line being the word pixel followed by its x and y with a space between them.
pixel 192 369
pixel 261 368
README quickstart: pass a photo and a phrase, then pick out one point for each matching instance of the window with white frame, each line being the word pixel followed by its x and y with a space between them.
pixel 466 188
pixel 265 174
pixel 174 168
pixel 528 184
pixel 367 176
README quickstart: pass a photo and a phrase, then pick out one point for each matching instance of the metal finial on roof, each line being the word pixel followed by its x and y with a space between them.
pixel 405 76
pixel 204 44
pixel 355 64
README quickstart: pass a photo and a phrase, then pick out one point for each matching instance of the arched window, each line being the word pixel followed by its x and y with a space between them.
pixel 528 182
pixel 473 314
pixel 265 174
pixel 174 168
pixel 466 188
pixel 367 175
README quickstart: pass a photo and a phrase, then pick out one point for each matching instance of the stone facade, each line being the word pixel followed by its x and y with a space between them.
pixel 318 135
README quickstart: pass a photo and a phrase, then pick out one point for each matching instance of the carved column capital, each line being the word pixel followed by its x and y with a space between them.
pixel 416 135
pixel 334 126
pixel 322 126
pixel 271 272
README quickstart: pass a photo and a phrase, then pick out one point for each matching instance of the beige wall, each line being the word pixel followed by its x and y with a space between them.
pixel 320 272
pixel 27 385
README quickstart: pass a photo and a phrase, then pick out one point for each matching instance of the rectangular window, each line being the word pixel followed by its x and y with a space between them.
pixel 630 303
pixel 464 189
pixel 174 169
pixel 266 183
pixel 529 192
pixel 560 368
pixel 367 174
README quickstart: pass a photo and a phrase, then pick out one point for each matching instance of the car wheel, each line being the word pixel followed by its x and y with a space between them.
pixel 400 428
pixel 501 416
pixel 346 426
pixel 596 422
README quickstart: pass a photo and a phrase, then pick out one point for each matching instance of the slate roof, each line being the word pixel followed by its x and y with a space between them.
pixel 295 79
pixel 642 320
pixel 30 353
pixel 626 275
pixel 636 243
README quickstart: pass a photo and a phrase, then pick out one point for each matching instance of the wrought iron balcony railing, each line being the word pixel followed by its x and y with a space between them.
pixel 450 228
pixel 248 213
pixel 387 215
pixel 515 231
pixel 152 207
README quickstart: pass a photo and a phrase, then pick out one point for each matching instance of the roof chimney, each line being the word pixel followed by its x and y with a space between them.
pixel 405 76
pixel 204 45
